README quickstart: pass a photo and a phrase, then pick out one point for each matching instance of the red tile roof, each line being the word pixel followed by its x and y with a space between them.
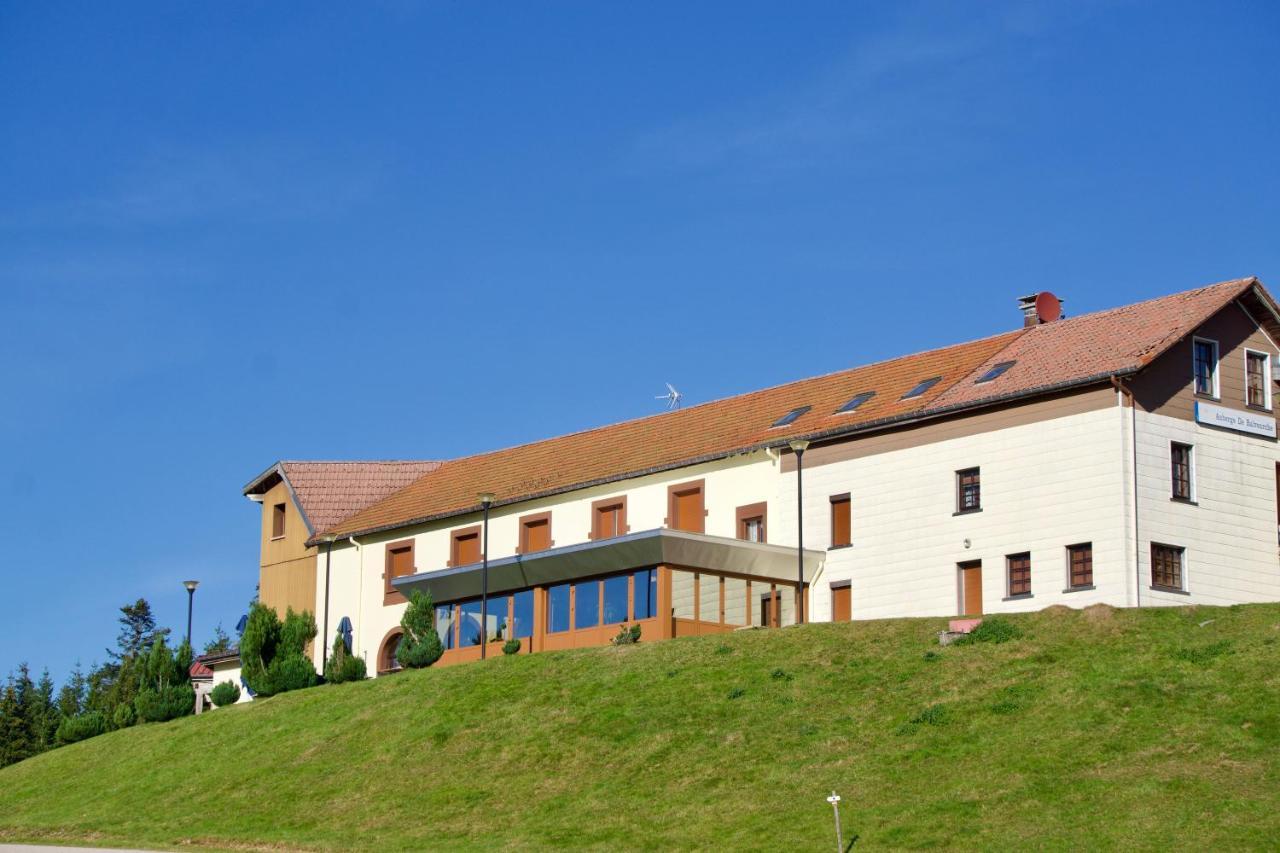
pixel 329 492
pixel 1073 351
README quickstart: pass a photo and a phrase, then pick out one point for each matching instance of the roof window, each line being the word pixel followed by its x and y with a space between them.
pixel 996 371
pixel 855 402
pixel 790 417
pixel 921 388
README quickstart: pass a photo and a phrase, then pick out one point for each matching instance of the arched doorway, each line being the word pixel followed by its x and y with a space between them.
pixel 387 662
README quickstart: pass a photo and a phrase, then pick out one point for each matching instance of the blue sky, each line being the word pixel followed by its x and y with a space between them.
pixel 232 233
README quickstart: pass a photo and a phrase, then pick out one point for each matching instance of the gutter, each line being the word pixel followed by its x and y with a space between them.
pixel 1133 444
pixel 777 444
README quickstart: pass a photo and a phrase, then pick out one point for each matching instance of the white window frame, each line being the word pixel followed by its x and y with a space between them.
pixel 1191 465
pixel 1266 376
pixel 1217 361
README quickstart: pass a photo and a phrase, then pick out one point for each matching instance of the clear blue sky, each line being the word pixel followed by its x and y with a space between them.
pixel 232 233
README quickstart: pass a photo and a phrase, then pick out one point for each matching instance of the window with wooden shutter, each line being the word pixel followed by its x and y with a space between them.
pixel 685 508
pixel 609 518
pixel 465 549
pixel 399 564
pixel 841 521
pixel 535 533
pixel 1019 574
pixel 1080 564
pixel 277 521
pixel 751 522
pixel 1166 566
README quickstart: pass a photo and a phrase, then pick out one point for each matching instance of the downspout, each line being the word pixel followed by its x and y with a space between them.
pixel 356 629
pixel 324 637
pixel 1133 444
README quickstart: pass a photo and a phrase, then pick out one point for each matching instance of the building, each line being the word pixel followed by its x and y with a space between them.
pixel 211 669
pixel 1126 456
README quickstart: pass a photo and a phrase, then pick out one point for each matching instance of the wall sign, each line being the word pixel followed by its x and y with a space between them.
pixel 1221 416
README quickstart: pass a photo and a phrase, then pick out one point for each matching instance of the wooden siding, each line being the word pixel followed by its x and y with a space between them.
pixel 287 567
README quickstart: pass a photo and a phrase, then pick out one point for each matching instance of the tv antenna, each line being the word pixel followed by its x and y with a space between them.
pixel 673 397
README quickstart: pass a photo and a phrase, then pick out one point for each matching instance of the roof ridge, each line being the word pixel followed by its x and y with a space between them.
pixel 1166 297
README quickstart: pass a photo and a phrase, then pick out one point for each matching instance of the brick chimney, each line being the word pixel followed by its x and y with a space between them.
pixel 1039 308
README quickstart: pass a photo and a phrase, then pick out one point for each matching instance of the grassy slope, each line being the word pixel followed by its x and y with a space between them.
pixel 1103 728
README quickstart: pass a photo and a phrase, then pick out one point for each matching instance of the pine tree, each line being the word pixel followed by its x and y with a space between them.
pixel 220 642
pixel 44 713
pixel 74 693
pixel 138 631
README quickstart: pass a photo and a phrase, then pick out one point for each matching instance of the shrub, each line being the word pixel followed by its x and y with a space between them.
pixel 273 654
pixel 420 646
pixel 626 636
pixel 994 629
pixel 155 705
pixel 342 665
pixel 81 727
pixel 511 647
pixel 226 693
pixel 123 717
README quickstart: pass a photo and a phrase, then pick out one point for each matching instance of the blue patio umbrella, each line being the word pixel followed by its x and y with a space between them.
pixel 344 628
pixel 244 620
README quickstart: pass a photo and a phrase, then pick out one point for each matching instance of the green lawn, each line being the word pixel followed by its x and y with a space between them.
pixel 1157 728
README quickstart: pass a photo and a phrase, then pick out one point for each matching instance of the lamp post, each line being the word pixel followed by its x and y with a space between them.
pixel 486 501
pixel 799 446
pixel 191 597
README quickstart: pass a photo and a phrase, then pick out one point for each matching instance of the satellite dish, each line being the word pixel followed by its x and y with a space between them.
pixel 672 397
pixel 1048 307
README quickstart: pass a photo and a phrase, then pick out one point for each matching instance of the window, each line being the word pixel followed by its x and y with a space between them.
pixel 1257 367
pixel 387 660
pixel 277 521
pixel 685 510
pixel 751 522
pixel 586 604
pixel 996 371
pixel 1180 459
pixel 790 417
pixel 708 598
pixel 1166 566
pixel 399 564
pixel 609 518
pixel 1205 366
pixel 857 401
pixel 1080 565
pixel 469 631
pixel 465 547
pixel 841 534
pixel 969 490
pixel 615 599
pixel 841 602
pixel 1019 566
pixel 558 609
pixel 645 583
pixel 921 388
pixel 535 533
pixel 522 614
pixel 444 625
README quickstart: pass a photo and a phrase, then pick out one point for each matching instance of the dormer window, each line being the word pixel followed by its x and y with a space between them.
pixel 922 387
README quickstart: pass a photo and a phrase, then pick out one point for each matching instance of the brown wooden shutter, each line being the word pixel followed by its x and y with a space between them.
pixel 688 510
pixel 841 604
pixel 841 523
pixel 466 549
pixel 537 535
pixel 401 562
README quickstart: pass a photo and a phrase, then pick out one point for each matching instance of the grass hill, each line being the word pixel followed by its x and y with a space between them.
pixel 1100 728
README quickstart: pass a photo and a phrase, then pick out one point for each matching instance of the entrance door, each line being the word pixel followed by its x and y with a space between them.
pixel 841 604
pixel 971 588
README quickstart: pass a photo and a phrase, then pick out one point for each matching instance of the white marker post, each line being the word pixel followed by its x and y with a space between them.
pixel 834 799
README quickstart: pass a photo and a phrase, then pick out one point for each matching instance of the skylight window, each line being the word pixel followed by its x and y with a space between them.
pixel 790 417
pixel 921 388
pixel 996 371
pixel 855 402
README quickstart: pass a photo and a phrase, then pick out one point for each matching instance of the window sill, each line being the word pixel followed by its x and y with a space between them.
pixel 840 547
pixel 276 538
pixel 1170 589
pixel 1018 597
pixel 390 597
pixel 1187 501
pixel 1078 589
pixel 966 512
pixel 1251 407
pixel 1210 397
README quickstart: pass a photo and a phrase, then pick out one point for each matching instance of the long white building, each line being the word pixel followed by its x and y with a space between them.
pixel 1127 456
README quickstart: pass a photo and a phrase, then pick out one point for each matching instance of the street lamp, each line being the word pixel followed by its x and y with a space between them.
pixel 799 446
pixel 486 501
pixel 191 597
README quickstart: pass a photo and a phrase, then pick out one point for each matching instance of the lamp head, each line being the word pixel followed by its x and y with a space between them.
pixel 486 498
pixel 191 585
pixel 799 445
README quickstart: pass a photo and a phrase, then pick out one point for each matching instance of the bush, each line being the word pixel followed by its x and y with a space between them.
pixel 123 717
pixel 420 646
pixel 155 705
pixel 226 693
pixel 626 636
pixel 511 647
pixel 273 655
pixel 343 666
pixel 994 629
pixel 81 727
